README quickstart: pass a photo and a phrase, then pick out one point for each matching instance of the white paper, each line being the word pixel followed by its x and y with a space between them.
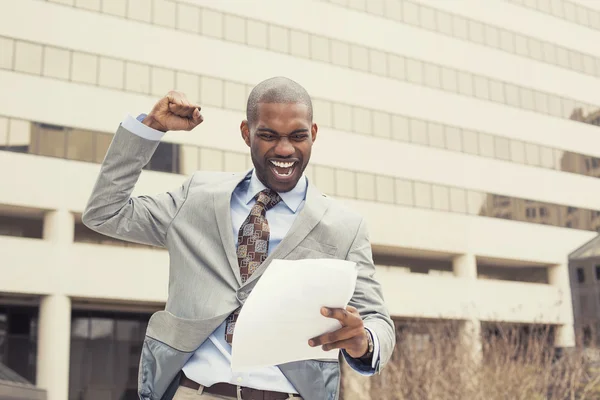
pixel 283 312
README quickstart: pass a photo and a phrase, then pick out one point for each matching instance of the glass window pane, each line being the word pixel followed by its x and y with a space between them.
pixel 189 159
pixel 441 198
pixel 80 145
pixel 397 67
pixel 535 49
pixel 325 179
pixel 547 157
pixel 163 13
pixel 319 48
pixel 492 36
pixel 101 328
pixel 3 132
pixel 359 58
pixel 362 120
pixel 111 73
pixel 345 183
pixel 527 101
pixel 342 117
pixel 453 138
pixel 257 33
pixel 410 13
pixel 476 33
pixel 188 17
pixel 507 41
pixel 436 135
pixel 497 91
pixel 57 62
pixel 28 58
pixel 400 128
pixel 235 96
pixel 211 91
pixel 562 56
pixel 460 27
pixel 340 53
pixel 162 80
pixel 541 102
pixel 549 52
pixel 458 200
pixel 279 39
pixel 486 145
pixel 470 143
pixel 517 151
pixel 532 154
pixel 21 136
pixel 554 106
pixel 427 18
pixel 381 124
pixel 80 327
pixel 465 83
pixel 418 131
pixel 188 84
pixel 212 23
pixel 365 185
pixel 414 70
pixel 404 192
pixel 103 141
pixel 449 79
pixel 476 202
pixel 482 89
pixel 512 95
pixel 6 53
pixel 322 110
pixel 137 77
pixel 444 23
pixel 211 160
pixel 51 140
pixel 521 45
pixel 376 7
pixel 423 195
pixel 432 75
pixel 385 189
pixel 502 148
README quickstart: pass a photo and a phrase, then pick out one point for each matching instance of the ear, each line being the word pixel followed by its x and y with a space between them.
pixel 245 131
pixel 313 132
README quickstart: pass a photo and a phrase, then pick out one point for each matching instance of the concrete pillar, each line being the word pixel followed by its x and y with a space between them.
pixel 464 266
pixel 558 276
pixel 54 342
pixel 59 227
pixel 54 325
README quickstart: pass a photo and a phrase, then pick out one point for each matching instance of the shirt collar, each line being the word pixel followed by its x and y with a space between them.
pixel 291 199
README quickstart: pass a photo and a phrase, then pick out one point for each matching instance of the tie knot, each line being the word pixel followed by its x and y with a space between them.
pixel 268 199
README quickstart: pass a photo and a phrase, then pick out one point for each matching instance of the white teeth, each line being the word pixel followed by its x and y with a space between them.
pixel 283 175
pixel 282 164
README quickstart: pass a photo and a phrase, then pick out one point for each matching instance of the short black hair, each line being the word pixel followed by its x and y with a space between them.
pixel 276 90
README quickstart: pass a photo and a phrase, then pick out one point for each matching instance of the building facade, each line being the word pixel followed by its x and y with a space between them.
pixel 467 135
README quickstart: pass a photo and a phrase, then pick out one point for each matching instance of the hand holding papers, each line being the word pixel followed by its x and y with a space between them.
pixel 283 312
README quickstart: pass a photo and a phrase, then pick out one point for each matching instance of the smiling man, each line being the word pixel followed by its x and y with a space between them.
pixel 222 230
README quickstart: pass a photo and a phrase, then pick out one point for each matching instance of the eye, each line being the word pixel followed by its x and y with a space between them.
pixel 267 136
pixel 300 137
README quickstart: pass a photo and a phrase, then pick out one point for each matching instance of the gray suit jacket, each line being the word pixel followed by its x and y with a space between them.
pixel 193 222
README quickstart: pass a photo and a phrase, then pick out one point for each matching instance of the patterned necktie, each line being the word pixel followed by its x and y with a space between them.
pixel 253 245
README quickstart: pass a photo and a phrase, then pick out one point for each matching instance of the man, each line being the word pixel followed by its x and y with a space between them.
pixel 222 230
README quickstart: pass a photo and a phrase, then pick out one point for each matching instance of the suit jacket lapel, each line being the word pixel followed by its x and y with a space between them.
pixel 222 204
pixel 313 211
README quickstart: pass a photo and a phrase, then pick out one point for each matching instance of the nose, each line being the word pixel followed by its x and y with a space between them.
pixel 284 148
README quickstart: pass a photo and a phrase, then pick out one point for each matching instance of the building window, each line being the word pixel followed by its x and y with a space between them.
pixel 27 227
pixel 18 339
pixel 598 272
pixel 543 212
pixel 530 212
pixel 580 275
pixel 105 354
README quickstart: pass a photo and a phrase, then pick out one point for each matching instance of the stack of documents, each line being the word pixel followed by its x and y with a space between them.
pixel 283 312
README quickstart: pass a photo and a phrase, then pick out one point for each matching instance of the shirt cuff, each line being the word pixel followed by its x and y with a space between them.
pixel 361 367
pixel 135 126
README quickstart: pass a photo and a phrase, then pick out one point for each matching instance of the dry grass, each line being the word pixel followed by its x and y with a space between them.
pixel 430 363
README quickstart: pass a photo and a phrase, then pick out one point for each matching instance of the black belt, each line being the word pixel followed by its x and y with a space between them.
pixel 229 390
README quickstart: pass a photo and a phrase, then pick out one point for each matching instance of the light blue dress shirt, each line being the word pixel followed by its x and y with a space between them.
pixel 211 363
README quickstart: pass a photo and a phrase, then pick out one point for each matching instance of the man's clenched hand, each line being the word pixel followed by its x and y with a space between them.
pixel 351 337
pixel 174 113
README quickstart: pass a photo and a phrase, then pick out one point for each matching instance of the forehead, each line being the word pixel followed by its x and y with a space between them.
pixel 283 114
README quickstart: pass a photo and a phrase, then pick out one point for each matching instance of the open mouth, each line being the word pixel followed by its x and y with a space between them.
pixel 283 169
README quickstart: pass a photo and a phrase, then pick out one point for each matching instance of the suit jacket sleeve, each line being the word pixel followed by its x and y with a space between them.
pixel 113 212
pixel 368 297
